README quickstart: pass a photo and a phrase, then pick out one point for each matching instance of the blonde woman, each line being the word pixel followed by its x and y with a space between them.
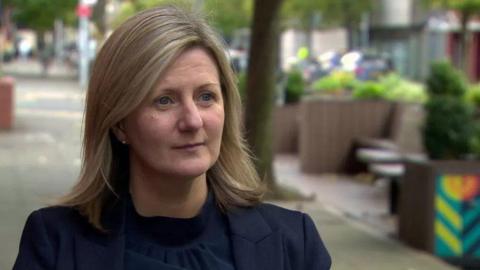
pixel 166 181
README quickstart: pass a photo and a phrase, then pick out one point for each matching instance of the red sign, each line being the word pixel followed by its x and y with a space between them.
pixel 84 11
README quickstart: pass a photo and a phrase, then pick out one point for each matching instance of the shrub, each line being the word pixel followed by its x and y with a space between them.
pixel 449 126
pixel 473 95
pixel 369 90
pixel 335 82
pixel 242 84
pixel 445 80
pixel 294 87
pixel 399 89
pixel 475 142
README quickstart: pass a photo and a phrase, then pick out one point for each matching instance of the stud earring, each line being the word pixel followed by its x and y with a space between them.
pixel 124 142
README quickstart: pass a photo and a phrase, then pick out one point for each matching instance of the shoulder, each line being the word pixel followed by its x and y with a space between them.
pixel 57 214
pixel 278 217
pixel 301 233
pixel 56 219
pixel 269 217
pixel 297 230
pixel 42 237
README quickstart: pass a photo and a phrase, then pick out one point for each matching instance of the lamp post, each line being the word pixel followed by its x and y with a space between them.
pixel 84 11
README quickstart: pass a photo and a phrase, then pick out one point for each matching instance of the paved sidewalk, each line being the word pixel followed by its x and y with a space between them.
pixel 352 218
pixel 39 160
pixel 33 68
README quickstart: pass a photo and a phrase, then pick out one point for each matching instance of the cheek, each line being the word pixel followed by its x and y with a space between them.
pixel 147 128
pixel 215 121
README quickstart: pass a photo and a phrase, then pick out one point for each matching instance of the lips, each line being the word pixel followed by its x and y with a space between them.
pixel 189 146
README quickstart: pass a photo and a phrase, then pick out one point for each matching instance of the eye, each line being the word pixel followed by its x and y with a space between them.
pixel 205 97
pixel 163 101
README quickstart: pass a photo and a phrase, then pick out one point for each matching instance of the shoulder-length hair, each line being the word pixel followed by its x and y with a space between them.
pixel 126 70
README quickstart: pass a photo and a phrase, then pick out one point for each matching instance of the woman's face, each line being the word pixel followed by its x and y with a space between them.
pixel 177 131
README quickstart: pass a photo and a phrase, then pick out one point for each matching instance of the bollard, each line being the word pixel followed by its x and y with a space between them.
pixel 6 102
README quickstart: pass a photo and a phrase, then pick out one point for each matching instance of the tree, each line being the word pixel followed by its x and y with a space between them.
pixel 98 17
pixel 303 14
pixel 261 86
pixel 228 16
pixel 466 10
pixel 40 15
pixel 309 15
pixel 131 7
pixel 348 13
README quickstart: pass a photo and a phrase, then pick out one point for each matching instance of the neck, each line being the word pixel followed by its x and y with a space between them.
pixel 167 196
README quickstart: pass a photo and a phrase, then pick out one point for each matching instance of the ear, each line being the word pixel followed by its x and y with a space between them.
pixel 119 132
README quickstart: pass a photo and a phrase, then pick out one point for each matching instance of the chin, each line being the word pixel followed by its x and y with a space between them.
pixel 191 171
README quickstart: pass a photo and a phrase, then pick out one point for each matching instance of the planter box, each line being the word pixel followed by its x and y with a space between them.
pixel 285 132
pixel 440 210
pixel 328 128
pixel 6 102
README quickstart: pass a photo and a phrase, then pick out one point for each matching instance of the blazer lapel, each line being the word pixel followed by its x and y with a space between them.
pixel 255 245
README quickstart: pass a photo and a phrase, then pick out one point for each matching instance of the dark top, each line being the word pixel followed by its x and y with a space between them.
pixel 164 243
pixel 263 237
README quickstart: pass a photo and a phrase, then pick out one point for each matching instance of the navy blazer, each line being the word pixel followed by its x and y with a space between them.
pixel 263 237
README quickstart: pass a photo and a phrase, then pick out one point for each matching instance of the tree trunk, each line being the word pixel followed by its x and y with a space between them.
pixel 261 86
pixel 464 45
pixel 352 41
pixel 350 38
pixel 98 17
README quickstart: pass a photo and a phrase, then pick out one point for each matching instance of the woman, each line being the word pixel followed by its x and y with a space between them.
pixel 166 181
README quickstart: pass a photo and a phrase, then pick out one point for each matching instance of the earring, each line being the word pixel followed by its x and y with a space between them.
pixel 124 142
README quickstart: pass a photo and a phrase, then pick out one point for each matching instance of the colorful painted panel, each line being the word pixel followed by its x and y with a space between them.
pixel 457 216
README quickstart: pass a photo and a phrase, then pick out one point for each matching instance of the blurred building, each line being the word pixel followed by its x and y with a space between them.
pixel 451 29
pixel 398 28
pixel 414 36
pixel 323 41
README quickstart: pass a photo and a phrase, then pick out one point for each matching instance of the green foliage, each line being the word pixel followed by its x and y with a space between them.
pixel 399 89
pixel 448 131
pixel 369 90
pixel 473 95
pixel 335 82
pixel 294 87
pixel 449 125
pixel 445 80
pixel 301 13
pixel 391 87
pixel 327 84
pixel 475 142
pixel 129 8
pixel 308 14
pixel 473 98
pixel 40 15
pixel 227 16
pixel 345 12
pixel 470 6
pixel 242 84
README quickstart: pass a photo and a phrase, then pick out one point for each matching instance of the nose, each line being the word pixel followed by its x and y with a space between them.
pixel 190 118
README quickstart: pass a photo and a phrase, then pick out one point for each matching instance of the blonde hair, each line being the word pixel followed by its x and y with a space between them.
pixel 126 70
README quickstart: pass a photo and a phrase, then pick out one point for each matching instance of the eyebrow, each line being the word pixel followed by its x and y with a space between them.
pixel 169 89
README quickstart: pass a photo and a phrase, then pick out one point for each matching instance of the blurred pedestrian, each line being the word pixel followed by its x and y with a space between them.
pixel 46 58
pixel 166 180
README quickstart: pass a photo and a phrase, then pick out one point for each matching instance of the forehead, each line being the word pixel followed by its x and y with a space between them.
pixel 195 65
